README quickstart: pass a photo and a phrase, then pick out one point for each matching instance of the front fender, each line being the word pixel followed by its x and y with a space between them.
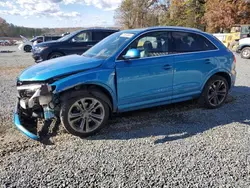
pixel 104 78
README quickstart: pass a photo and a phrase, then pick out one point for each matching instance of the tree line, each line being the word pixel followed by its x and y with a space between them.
pixel 10 30
pixel 209 15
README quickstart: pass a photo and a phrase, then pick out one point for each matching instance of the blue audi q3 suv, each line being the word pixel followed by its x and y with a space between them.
pixel 129 70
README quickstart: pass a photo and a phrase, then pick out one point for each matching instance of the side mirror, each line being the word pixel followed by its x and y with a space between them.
pixel 73 40
pixel 132 54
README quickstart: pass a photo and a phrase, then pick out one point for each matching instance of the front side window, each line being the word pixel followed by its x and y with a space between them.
pixel 83 37
pixel 69 36
pixel 55 38
pixel 189 42
pixel 48 39
pixel 39 39
pixel 150 45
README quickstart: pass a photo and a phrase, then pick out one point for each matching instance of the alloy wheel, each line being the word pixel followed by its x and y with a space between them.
pixel 86 115
pixel 246 53
pixel 217 92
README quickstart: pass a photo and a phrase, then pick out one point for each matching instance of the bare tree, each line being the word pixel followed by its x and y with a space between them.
pixel 137 14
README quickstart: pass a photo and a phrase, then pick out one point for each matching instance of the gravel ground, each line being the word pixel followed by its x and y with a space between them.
pixel 178 145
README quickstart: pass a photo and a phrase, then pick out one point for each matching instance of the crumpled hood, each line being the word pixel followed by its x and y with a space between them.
pixel 59 67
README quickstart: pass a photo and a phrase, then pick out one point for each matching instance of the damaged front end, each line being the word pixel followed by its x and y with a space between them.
pixel 36 103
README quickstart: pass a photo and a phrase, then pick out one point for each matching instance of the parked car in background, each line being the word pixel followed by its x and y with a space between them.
pixel 5 43
pixel 129 70
pixel 74 43
pixel 244 48
pixel 28 44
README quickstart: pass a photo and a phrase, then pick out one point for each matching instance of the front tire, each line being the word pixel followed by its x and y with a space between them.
pixel 245 53
pixel 215 92
pixel 84 115
pixel 54 55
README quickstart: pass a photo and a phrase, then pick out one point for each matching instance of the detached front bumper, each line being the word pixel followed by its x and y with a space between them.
pixel 33 104
pixel 22 128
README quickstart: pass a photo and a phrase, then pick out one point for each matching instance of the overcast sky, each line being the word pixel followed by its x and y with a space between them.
pixel 59 13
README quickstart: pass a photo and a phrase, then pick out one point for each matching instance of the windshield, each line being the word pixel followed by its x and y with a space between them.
pixel 107 47
pixel 34 39
pixel 67 37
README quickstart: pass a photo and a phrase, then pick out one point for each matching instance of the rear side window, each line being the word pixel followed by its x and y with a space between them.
pixel 183 42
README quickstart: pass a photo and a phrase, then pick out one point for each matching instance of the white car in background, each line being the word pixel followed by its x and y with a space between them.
pixel 26 45
pixel 244 48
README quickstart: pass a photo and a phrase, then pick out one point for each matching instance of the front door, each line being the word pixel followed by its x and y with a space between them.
pixel 146 81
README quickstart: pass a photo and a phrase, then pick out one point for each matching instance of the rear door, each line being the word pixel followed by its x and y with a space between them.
pixel 193 60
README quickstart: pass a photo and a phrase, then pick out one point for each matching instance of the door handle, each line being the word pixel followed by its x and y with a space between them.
pixel 167 67
pixel 90 45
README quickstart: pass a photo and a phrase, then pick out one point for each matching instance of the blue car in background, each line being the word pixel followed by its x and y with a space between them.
pixel 129 70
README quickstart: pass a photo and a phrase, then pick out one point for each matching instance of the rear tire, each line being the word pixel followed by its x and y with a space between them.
pixel 27 48
pixel 215 92
pixel 245 53
pixel 54 55
pixel 84 115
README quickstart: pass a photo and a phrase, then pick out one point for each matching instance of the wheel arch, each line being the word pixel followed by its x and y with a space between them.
pixel 224 74
pixel 27 45
pixel 55 51
pixel 95 89
pixel 244 46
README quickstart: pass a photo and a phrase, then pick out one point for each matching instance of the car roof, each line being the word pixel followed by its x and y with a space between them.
pixel 142 30
pixel 98 29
